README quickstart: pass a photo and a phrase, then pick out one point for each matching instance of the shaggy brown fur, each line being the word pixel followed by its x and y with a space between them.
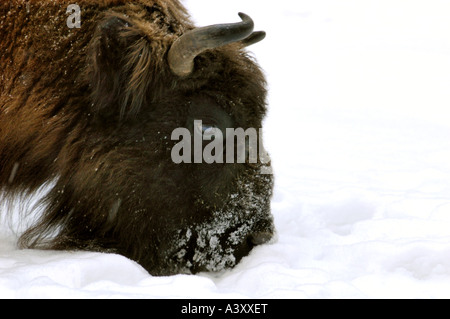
pixel 92 109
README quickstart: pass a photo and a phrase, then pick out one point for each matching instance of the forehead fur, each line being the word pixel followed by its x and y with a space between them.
pixel 129 56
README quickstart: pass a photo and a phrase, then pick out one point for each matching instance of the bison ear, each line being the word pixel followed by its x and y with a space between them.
pixel 111 70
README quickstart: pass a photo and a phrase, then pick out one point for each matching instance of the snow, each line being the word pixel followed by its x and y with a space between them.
pixel 358 131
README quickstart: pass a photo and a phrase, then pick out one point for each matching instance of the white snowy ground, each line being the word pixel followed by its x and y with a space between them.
pixel 359 133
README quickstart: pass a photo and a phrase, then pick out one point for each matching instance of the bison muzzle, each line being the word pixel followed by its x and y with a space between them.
pixel 89 112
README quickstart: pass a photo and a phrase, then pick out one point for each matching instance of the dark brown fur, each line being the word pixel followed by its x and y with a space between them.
pixel 92 109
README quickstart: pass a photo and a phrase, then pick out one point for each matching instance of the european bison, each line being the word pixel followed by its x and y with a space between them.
pixel 88 107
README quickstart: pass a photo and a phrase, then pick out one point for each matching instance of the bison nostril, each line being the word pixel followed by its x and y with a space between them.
pixel 260 238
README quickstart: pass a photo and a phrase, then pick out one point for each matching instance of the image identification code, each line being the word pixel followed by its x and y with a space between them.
pixel 255 308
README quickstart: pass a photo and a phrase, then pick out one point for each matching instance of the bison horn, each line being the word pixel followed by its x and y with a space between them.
pixel 184 50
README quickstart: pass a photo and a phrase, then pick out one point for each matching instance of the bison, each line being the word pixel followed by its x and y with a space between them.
pixel 88 109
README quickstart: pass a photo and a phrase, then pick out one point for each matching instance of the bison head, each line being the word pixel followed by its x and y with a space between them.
pixel 147 72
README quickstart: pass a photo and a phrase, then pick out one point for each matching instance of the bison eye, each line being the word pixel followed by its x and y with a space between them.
pixel 208 131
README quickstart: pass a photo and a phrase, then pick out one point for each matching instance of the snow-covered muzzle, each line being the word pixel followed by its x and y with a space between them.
pixel 231 232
